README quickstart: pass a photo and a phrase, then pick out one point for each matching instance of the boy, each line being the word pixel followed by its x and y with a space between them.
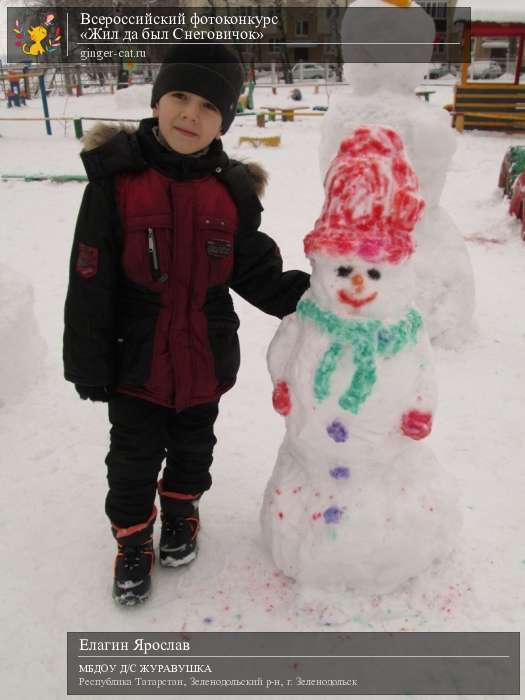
pixel 167 224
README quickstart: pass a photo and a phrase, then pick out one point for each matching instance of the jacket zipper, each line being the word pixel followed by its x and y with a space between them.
pixel 154 257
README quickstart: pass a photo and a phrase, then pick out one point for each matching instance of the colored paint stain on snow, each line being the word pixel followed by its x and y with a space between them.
pixel 297 489
pixel 337 431
pixel 280 515
pixel 332 515
pixel 359 621
pixel 208 620
pixel 340 472
pixel 316 516
pixel 332 535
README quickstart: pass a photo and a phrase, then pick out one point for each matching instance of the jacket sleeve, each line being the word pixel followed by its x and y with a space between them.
pixel 258 275
pixel 89 317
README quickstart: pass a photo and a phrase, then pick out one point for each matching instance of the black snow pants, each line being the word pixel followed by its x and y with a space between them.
pixel 141 436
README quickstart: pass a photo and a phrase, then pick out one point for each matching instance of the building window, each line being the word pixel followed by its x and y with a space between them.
pixel 301 28
pixel 435 8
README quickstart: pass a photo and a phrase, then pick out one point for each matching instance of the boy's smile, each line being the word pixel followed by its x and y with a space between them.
pixel 187 121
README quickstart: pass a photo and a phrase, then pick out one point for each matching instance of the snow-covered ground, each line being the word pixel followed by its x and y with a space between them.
pixel 58 551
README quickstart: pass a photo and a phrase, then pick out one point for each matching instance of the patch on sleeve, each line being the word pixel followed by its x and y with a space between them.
pixel 87 261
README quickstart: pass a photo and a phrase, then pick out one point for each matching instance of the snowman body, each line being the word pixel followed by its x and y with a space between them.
pixel 400 381
pixel 355 500
pixel 352 500
pixel 382 93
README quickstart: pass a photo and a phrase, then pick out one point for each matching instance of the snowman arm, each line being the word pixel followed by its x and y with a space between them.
pixel 279 353
pixel 281 347
pixel 416 421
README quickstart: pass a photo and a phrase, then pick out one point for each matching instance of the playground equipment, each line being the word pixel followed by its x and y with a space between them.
pixel 16 94
pixel 246 101
pixel 77 122
pixel 287 113
pixel 512 182
pixel 256 141
pixel 484 105
pixel 511 168
pixel 46 178
pixel 517 202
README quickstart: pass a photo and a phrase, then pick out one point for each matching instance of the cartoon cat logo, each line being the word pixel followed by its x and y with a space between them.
pixel 45 37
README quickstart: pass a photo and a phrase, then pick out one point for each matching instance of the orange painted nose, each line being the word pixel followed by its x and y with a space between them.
pixel 357 280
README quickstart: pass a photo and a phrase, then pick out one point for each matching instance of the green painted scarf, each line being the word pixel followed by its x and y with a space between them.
pixel 367 338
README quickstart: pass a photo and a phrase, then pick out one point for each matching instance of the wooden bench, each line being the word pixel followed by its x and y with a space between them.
pixel 287 113
pixel 489 106
pixel 425 93
pixel 256 141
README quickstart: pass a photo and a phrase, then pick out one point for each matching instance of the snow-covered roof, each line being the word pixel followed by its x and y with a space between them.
pixel 494 10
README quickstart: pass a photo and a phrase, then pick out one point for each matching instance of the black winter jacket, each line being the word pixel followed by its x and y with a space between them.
pixel 166 335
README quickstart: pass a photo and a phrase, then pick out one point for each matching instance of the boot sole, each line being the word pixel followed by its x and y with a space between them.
pixel 130 599
pixel 172 563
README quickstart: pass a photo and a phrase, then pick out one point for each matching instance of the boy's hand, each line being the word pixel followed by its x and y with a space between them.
pixel 94 393
pixel 281 399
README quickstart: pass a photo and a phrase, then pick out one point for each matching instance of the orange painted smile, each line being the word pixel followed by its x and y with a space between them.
pixel 352 301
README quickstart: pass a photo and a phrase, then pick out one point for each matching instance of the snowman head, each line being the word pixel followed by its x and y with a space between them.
pixel 349 286
pixel 367 27
pixel 361 244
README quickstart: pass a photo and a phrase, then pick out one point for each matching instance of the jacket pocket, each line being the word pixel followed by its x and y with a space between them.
pixel 216 236
pixel 147 254
pixel 223 324
pixel 138 311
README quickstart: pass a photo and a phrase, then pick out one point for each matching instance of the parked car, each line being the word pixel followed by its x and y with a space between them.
pixel 310 71
pixel 483 70
pixel 437 70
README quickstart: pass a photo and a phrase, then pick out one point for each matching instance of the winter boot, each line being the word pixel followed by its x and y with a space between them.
pixel 133 563
pixel 180 525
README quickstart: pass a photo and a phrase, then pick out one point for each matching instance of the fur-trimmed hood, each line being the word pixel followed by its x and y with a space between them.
pixel 102 132
pixel 104 142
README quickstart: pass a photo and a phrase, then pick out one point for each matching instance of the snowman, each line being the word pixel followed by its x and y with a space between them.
pixel 355 500
pixel 384 93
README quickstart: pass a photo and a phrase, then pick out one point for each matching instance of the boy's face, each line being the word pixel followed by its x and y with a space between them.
pixel 188 122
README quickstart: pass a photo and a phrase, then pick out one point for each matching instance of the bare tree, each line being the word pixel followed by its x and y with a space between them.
pixel 335 30
pixel 281 38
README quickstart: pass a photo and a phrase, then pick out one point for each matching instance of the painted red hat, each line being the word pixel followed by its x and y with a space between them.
pixel 372 202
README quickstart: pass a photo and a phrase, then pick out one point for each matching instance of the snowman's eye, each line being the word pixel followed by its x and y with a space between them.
pixel 344 271
pixel 373 274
